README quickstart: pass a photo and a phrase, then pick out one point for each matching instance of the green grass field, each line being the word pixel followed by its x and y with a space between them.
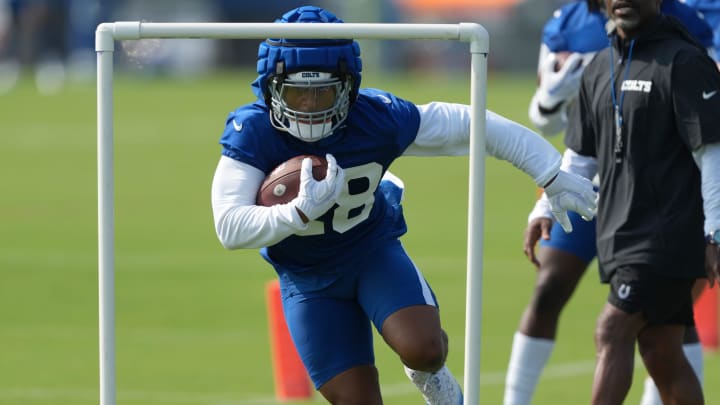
pixel 191 321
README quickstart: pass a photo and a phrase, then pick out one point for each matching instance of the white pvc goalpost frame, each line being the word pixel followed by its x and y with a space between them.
pixel 108 33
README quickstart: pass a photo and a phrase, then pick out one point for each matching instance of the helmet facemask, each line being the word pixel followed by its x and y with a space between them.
pixel 309 105
pixel 325 72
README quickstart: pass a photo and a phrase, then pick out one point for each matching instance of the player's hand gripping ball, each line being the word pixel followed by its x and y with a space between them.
pixel 283 184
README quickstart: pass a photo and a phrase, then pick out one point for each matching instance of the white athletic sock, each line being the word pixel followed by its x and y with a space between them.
pixel 651 395
pixel 438 388
pixel 527 360
pixel 694 354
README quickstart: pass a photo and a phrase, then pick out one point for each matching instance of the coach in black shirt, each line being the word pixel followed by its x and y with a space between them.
pixel 649 113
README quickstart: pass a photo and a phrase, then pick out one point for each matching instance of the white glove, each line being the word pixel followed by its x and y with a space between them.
pixel 317 197
pixel 557 86
pixel 570 192
pixel 548 124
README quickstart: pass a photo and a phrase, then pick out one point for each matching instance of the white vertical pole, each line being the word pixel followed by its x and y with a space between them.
pixel 104 46
pixel 479 47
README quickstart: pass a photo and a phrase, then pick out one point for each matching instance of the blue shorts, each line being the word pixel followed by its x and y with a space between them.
pixel 580 242
pixel 331 327
pixel 331 323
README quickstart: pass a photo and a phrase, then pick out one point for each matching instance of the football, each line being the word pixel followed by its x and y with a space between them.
pixel 283 183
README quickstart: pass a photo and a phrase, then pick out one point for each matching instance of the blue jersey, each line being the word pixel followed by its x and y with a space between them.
pixel 575 28
pixel 710 9
pixel 379 128
pixel 693 21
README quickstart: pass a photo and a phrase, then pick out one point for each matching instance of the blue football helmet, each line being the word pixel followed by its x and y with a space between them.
pixel 308 84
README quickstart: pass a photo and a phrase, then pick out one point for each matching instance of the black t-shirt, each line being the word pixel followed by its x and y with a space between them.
pixel 650 208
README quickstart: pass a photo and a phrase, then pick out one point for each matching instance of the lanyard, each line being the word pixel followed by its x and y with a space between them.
pixel 617 107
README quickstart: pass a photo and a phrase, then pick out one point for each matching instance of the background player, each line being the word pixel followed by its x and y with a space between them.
pixel 570 39
pixel 335 247
pixel 576 32
pixel 710 9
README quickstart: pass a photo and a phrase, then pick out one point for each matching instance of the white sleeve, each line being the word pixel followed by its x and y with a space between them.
pixel 239 223
pixel 445 131
pixel 542 209
pixel 585 166
pixel 707 159
pixel 525 149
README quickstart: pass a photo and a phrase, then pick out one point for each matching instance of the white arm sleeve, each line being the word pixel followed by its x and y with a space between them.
pixel 239 223
pixel 707 159
pixel 585 166
pixel 542 209
pixel 445 131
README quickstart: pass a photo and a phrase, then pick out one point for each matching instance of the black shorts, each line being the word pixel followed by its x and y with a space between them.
pixel 662 300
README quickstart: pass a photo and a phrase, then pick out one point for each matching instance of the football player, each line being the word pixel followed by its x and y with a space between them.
pixel 336 247
pixel 575 33
pixel 570 40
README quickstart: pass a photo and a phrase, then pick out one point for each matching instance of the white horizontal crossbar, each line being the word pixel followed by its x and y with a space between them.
pixel 128 30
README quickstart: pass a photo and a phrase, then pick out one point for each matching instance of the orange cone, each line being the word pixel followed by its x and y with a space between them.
pixel 291 380
pixel 706 317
